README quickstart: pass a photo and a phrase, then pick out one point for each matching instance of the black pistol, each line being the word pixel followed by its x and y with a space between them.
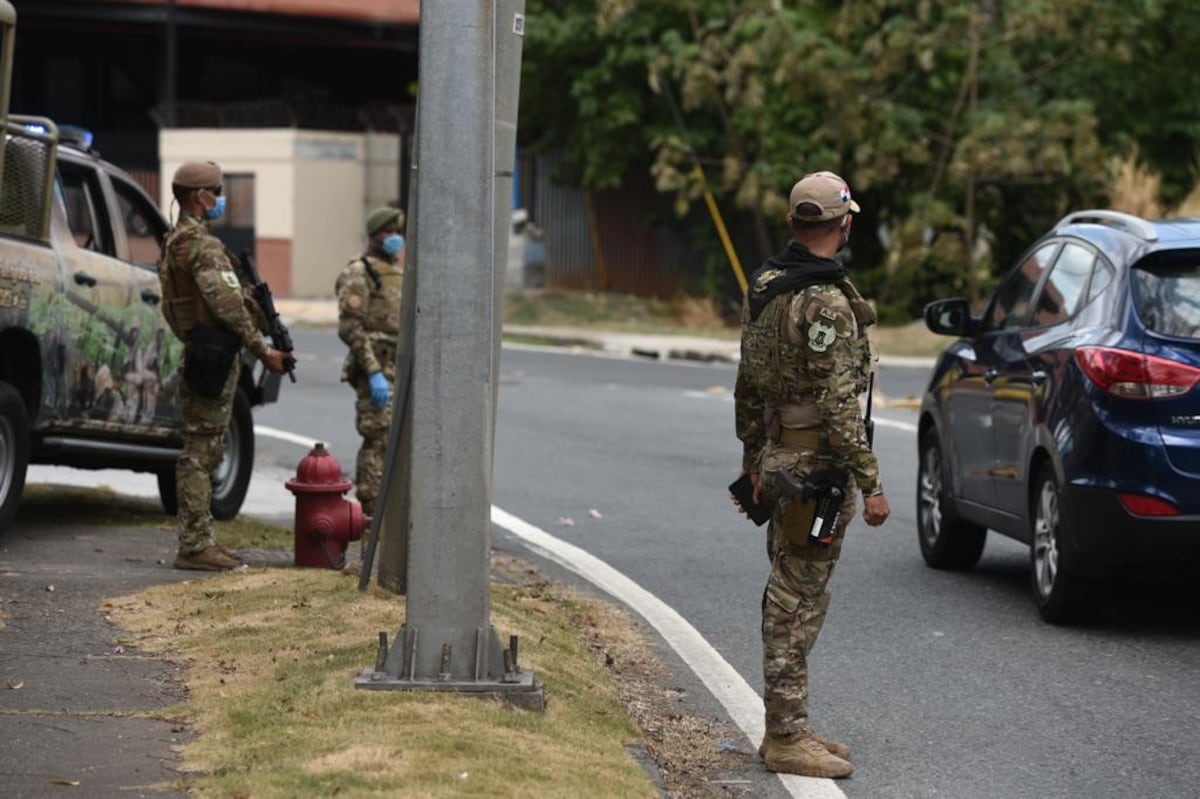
pixel 828 489
pixel 281 339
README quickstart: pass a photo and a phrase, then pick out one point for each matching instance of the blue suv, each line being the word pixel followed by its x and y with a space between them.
pixel 1067 416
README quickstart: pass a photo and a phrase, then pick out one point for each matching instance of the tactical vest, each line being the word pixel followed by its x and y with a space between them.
pixel 383 306
pixel 781 368
pixel 182 305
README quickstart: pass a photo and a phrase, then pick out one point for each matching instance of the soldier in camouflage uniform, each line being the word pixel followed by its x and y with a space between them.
pixel 368 293
pixel 202 293
pixel 805 360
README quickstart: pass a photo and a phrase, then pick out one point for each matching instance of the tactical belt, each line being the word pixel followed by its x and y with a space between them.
pixel 807 439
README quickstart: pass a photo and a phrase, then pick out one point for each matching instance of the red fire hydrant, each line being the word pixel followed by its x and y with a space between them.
pixel 326 522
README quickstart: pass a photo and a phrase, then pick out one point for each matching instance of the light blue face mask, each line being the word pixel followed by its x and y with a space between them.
pixel 217 211
pixel 392 244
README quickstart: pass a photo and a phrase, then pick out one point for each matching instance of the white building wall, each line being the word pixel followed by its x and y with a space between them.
pixel 313 190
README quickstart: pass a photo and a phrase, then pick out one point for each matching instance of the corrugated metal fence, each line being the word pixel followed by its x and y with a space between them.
pixel 623 240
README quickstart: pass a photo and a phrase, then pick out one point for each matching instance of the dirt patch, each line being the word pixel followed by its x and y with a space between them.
pixel 694 756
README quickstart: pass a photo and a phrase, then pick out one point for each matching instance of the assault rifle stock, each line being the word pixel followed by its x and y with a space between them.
pixel 281 339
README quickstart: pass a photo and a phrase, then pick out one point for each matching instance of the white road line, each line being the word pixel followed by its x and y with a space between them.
pixel 742 703
pixel 284 435
pixel 897 425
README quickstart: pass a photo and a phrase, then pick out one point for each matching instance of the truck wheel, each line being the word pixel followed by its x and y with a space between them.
pixel 14 452
pixel 231 478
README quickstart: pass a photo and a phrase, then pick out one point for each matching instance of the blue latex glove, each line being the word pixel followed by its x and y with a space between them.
pixel 381 392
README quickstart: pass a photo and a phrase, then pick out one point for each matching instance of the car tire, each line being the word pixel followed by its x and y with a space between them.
pixel 947 542
pixel 231 478
pixel 1061 596
pixel 14 452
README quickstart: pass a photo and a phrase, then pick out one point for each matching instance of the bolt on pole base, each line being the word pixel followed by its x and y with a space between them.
pixel 396 669
pixel 524 692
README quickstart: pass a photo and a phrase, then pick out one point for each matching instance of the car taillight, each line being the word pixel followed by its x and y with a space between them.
pixel 1135 376
pixel 1143 505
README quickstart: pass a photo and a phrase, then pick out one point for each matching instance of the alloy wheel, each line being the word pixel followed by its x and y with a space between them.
pixel 929 496
pixel 1045 538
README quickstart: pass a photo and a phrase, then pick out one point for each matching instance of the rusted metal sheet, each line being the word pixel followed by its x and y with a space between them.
pixel 611 240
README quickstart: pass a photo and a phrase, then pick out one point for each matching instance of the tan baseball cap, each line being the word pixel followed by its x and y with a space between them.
pixel 820 196
pixel 197 175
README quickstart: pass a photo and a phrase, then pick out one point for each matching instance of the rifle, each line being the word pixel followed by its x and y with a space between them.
pixel 281 339
pixel 868 422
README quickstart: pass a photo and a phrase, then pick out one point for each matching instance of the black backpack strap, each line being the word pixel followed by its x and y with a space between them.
pixel 371 271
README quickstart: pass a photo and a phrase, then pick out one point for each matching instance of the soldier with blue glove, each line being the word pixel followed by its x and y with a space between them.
pixel 368 293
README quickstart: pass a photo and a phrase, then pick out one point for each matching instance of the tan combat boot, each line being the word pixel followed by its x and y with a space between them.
pixel 834 747
pixel 209 559
pixel 803 754
pixel 233 554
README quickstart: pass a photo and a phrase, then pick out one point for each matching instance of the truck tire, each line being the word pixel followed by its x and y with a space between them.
pixel 231 478
pixel 14 452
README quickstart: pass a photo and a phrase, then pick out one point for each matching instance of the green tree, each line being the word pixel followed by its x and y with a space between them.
pixel 965 127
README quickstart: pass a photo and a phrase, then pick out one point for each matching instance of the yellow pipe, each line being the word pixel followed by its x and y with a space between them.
pixel 715 212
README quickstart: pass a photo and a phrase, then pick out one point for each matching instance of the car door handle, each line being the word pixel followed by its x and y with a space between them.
pixel 150 297
pixel 990 375
pixel 1038 377
pixel 84 279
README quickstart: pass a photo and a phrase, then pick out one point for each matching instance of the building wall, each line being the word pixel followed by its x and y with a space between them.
pixel 329 199
pixel 313 190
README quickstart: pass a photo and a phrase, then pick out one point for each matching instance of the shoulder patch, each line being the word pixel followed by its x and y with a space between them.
pixel 353 302
pixel 230 279
pixel 820 335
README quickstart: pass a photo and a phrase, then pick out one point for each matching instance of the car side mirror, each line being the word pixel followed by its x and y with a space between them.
pixel 950 317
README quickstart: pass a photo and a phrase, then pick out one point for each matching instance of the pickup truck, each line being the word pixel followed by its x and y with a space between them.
pixel 88 368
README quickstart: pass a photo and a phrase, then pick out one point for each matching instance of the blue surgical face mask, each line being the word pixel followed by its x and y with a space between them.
pixel 392 244
pixel 217 211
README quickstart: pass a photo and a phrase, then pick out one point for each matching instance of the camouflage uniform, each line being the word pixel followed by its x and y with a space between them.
pixel 195 271
pixel 368 292
pixel 805 360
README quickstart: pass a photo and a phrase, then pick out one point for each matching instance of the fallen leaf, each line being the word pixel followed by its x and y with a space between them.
pixel 50 588
pixel 566 521
pixel 595 514
pixel 16 686
pixel 64 781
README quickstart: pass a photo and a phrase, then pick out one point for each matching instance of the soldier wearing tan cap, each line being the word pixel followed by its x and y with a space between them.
pixel 368 294
pixel 805 361
pixel 205 307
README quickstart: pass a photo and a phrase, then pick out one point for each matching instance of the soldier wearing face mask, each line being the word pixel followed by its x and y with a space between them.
pixel 205 308
pixel 368 293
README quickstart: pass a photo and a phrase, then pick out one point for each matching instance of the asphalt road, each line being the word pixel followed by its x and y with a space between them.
pixel 945 684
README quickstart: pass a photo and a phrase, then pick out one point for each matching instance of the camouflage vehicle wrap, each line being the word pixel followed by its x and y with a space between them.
pixel 89 370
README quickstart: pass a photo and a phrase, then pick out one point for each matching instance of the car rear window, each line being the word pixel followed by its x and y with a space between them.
pixel 1166 294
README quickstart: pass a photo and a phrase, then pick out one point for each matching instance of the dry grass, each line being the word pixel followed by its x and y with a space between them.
pixel 272 655
pixel 625 313
pixel 1135 188
pixel 913 339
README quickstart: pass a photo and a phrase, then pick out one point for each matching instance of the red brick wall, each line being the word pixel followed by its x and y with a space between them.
pixel 275 264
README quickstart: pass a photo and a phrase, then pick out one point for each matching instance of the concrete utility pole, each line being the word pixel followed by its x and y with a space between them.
pixel 468 88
